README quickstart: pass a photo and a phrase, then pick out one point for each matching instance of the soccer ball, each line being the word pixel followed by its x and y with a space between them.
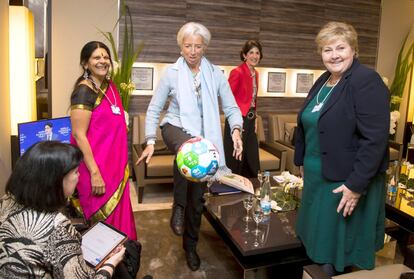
pixel 197 159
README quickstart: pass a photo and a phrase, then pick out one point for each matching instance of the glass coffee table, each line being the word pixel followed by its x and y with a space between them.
pixel 274 251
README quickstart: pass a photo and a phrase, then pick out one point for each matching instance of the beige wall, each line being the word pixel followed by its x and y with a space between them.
pixel 74 23
pixel 5 161
pixel 397 19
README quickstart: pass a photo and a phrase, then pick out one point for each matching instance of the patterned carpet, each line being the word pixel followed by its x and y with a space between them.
pixel 163 257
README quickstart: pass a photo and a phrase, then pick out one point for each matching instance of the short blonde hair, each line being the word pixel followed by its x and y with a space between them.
pixel 337 30
pixel 193 28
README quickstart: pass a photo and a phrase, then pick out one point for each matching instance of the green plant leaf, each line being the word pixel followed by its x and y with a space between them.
pixel 403 67
pixel 129 54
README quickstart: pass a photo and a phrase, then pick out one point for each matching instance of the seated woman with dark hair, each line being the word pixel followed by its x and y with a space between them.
pixel 36 240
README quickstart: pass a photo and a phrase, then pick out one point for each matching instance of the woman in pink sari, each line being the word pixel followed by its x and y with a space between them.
pixel 99 129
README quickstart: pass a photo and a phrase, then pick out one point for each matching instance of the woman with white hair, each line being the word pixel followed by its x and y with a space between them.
pixel 194 87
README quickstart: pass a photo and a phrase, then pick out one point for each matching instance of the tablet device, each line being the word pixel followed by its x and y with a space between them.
pixel 99 241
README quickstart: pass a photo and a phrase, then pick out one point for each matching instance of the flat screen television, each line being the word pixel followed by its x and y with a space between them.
pixel 30 133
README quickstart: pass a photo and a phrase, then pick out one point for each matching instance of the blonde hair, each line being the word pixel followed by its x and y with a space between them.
pixel 193 28
pixel 337 30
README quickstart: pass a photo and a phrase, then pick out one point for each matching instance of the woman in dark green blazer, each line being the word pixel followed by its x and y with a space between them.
pixel 341 148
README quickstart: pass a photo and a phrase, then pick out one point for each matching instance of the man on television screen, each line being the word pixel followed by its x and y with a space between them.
pixel 49 135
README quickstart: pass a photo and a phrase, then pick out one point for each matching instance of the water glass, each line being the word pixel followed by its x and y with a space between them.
pixel 248 204
pixel 258 216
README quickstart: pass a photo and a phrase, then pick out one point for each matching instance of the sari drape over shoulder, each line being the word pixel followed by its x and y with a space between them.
pixel 107 136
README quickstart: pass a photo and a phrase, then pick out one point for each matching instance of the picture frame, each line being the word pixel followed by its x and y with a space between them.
pixel 276 82
pixel 304 82
pixel 143 78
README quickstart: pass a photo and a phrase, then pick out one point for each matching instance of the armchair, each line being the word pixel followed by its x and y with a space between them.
pixel 160 168
pixel 281 134
pixel 273 157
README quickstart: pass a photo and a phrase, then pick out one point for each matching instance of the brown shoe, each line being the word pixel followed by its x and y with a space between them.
pixel 177 220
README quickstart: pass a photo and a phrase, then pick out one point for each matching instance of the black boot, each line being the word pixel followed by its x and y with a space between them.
pixel 193 260
pixel 177 220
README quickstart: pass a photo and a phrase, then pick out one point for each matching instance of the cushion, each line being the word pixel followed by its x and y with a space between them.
pixel 289 132
pixel 268 161
pixel 160 166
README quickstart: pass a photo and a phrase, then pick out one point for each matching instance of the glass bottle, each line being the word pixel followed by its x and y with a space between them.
pixel 393 181
pixel 266 194
pixel 257 190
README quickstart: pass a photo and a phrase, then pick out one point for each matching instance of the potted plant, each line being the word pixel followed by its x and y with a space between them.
pixel 123 61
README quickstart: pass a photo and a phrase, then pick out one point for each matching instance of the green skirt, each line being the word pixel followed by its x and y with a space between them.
pixel 329 237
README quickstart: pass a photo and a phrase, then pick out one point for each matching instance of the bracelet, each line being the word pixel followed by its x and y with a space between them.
pixel 236 128
pixel 109 265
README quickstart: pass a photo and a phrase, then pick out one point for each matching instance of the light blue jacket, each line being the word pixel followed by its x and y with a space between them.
pixel 167 88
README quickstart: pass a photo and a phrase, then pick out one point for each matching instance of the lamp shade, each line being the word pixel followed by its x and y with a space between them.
pixel 22 81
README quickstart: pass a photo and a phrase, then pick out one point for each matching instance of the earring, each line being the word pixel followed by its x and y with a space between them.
pixel 85 74
pixel 108 76
pixel 181 53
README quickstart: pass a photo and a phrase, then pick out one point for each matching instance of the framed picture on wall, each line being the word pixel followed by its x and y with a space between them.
pixel 142 77
pixel 304 82
pixel 276 82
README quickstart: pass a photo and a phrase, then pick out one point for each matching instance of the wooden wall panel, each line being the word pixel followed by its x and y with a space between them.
pixel 287 28
pixel 156 23
pixel 230 23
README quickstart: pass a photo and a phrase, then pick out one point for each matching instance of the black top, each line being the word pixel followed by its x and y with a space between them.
pixel 83 97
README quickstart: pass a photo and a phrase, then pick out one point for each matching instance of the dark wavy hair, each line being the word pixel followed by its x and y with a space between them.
pixel 37 179
pixel 248 45
pixel 86 53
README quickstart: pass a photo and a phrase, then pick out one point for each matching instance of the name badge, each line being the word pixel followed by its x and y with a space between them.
pixel 116 110
pixel 317 107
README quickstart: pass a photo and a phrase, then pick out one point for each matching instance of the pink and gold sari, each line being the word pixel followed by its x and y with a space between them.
pixel 107 136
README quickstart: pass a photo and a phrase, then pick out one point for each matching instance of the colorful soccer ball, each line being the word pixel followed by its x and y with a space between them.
pixel 197 159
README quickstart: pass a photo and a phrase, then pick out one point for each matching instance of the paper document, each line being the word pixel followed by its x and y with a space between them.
pixel 237 181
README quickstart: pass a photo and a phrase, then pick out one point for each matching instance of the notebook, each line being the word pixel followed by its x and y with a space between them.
pixel 221 189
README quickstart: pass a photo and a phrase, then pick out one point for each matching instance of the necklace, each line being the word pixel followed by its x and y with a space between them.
pixel 319 105
pixel 197 83
pixel 115 109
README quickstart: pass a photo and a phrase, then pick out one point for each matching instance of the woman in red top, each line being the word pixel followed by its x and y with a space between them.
pixel 244 84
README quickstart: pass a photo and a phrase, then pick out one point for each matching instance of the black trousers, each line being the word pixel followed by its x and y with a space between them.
pixel 187 194
pixel 250 164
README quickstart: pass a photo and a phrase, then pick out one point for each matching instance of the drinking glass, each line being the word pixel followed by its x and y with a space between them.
pixel 257 216
pixel 248 204
pixel 208 194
